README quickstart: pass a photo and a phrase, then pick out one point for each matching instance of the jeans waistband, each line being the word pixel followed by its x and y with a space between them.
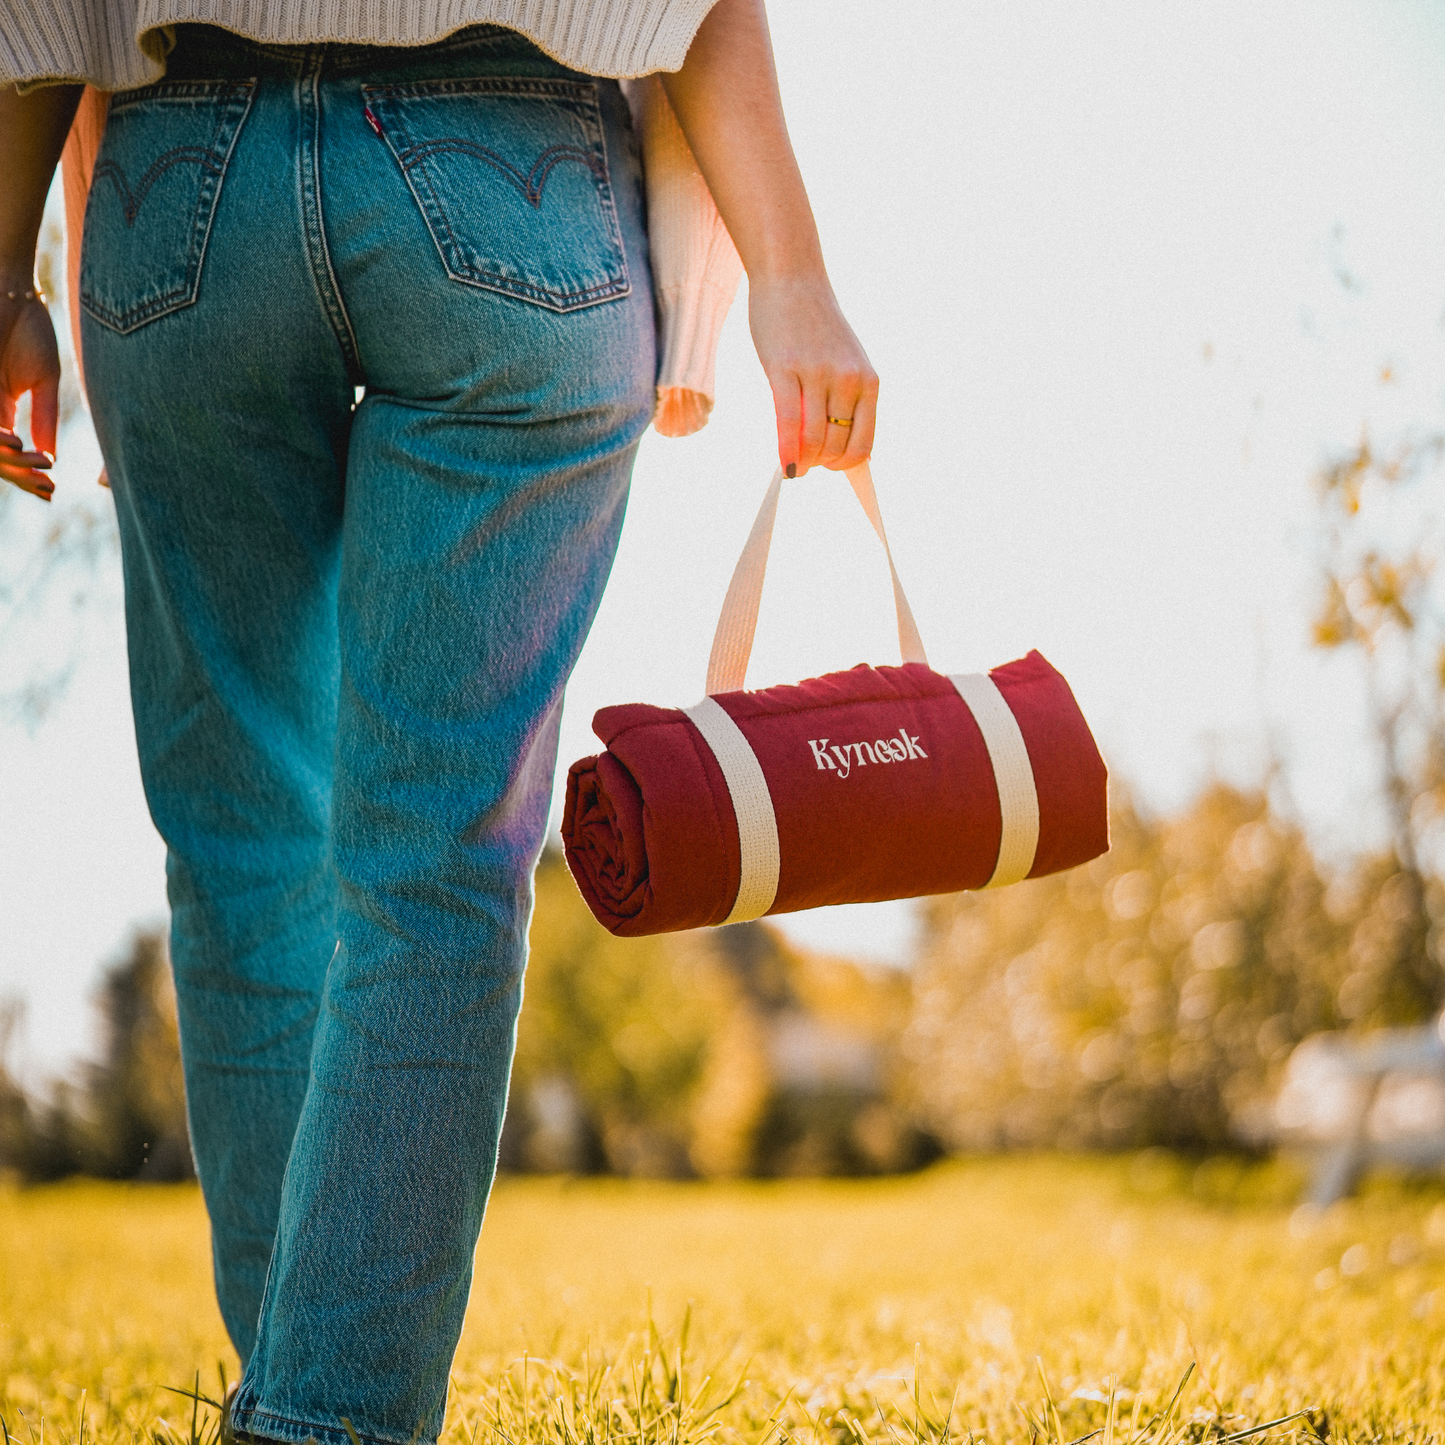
pixel 208 52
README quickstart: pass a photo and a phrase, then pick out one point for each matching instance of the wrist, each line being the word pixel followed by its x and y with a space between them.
pixel 790 274
pixel 17 273
pixel 784 249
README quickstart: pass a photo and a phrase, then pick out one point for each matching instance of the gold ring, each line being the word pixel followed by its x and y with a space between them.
pixel 840 421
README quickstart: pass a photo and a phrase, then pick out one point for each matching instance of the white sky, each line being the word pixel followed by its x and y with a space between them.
pixel 1095 251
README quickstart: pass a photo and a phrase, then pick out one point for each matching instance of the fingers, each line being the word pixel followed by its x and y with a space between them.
pixel 29 362
pixel 825 420
pixel 25 469
pixel 814 430
pixel 848 416
pixel 840 405
pixel 45 413
pixel 788 403
pixel 860 435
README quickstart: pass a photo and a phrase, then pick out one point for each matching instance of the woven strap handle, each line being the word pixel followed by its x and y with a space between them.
pixel 732 644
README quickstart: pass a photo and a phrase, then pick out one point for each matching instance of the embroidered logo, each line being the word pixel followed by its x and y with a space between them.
pixel 842 758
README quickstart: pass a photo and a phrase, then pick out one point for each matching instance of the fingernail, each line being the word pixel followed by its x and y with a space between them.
pixel 791 470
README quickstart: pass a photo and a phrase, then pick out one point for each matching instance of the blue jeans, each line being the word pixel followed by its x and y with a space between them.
pixel 350 625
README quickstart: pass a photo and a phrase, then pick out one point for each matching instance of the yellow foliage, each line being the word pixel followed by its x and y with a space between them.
pixel 1149 997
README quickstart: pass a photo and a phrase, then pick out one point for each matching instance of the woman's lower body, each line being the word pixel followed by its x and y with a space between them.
pixel 350 625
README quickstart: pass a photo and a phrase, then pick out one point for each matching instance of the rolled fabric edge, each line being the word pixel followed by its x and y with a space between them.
pixel 642 865
pixel 594 845
pixel 1071 779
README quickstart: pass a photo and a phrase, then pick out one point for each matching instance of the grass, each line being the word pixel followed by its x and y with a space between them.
pixel 1005 1300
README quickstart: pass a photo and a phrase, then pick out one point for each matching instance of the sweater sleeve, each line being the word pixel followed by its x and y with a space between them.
pixel 695 266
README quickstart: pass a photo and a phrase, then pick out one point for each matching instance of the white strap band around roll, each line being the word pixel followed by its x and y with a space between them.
pixel 1013 773
pixel 753 805
pixel 727 668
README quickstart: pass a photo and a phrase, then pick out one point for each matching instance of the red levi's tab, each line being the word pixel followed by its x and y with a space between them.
pixel 881 781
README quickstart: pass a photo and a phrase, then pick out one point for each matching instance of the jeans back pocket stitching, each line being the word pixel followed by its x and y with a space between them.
pixel 132 200
pixel 235 98
pixel 581 100
pixel 529 185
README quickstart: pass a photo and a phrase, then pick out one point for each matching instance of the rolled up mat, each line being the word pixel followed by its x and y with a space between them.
pixel 859 786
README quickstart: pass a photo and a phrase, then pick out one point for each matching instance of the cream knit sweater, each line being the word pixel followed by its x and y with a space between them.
pixel 118 44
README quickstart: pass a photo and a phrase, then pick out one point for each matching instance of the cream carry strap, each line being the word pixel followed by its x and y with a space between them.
pixel 732 643
pixel 727 667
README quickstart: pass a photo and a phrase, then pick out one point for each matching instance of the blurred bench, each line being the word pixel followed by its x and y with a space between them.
pixel 1350 1103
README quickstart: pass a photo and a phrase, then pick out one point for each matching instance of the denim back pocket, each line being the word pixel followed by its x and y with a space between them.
pixel 153 195
pixel 511 178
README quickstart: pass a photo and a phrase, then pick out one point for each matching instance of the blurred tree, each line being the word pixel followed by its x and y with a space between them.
pixel 125 1118
pixel 1149 997
pixel 720 1052
pixel 134 1098
pixel 15 1120
pixel 610 1047
pixel 818 1041
pixel 1381 602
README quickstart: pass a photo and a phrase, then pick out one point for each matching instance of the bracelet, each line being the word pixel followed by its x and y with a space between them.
pixel 34 294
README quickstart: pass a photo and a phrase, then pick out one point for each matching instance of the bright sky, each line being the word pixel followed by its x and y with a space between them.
pixel 1129 272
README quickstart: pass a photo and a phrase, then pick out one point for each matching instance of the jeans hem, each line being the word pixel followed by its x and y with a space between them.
pixel 259 1427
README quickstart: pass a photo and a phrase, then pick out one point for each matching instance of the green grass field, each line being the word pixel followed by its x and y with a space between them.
pixel 1113 1275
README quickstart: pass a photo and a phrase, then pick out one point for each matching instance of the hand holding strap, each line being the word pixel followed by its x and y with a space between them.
pixel 732 644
